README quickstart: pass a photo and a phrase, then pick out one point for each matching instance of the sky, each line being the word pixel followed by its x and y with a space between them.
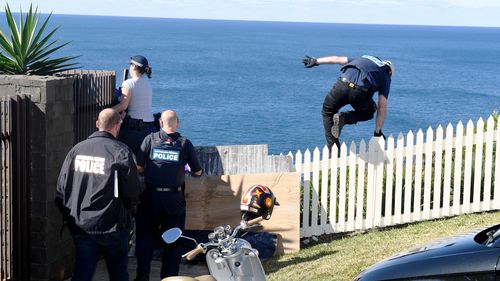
pixel 412 12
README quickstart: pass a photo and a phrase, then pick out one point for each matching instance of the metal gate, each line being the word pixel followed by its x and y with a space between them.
pixel 92 92
pixel 15 188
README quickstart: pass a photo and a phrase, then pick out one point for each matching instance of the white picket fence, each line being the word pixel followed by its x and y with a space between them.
pixel 399 180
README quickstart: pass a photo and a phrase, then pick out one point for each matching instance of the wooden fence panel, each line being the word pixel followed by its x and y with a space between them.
pixel 215 200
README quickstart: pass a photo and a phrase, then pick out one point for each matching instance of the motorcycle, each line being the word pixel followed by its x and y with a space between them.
pixel 229 257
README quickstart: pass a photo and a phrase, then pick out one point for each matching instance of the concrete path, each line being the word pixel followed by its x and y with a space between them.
pixel 192 270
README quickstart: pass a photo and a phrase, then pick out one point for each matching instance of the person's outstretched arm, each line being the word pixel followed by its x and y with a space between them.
pixel 312 61
pixel 332 60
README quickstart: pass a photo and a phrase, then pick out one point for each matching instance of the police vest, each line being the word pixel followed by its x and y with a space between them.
pixel 166 167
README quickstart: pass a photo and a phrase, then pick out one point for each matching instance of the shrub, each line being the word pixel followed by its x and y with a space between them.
pixel 28 49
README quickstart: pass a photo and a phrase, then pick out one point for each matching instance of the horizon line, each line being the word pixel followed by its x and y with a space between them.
pixel 271 21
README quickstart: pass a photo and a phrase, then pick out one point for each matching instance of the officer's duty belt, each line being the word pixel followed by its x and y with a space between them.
pixel 164 189
pixel 352 85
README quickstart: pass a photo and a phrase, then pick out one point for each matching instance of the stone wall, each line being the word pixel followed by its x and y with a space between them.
pixel 52 137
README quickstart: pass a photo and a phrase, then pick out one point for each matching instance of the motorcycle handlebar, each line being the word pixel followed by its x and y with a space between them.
pixel 194 252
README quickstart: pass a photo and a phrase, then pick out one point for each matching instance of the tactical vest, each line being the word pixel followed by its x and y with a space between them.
pixel 166 157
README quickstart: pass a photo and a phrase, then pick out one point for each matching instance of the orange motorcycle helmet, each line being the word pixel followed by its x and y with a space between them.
pixel 257 201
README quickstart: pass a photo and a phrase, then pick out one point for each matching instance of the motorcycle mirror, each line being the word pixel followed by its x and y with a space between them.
pixel 171 235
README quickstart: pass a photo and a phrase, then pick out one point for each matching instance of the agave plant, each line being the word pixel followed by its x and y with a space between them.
pixel 28 50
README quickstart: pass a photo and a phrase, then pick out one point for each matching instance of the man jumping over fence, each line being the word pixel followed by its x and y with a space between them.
pixel 360 78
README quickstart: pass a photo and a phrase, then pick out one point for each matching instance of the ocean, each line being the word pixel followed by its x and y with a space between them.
pixel 243 82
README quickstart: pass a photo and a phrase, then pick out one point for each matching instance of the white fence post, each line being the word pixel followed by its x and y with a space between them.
pixel 334 164
pixel 361 185
pixel 418 176
pixel 352 187
pixel 457 183
pixel 488 165
pixel 398 190
pixel 438 166
pixel 408 177
pixel 379 181
pixel 429 141
pixel 496 194
pixel 316 230
pixel 306 170
pixel 370 188
pixel 342 186
pixel 325 167
pixel 469 142
pixel 447 169
pixel 478 166
pixel 388 183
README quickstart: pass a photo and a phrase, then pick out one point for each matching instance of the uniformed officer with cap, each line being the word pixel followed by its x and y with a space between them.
pixel 97 192
pixel 162 157
pixel 360 78
pixel 136 101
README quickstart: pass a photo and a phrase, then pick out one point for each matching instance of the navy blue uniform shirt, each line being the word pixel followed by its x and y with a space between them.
pixel 365 73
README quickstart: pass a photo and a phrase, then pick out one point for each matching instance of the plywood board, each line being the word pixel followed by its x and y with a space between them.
pixel 215 200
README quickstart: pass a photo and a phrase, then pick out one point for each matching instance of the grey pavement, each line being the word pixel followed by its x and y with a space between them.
pixel 192 270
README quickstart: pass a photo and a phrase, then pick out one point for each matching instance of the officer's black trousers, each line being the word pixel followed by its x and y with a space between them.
pixel 157 212
pixel 341 95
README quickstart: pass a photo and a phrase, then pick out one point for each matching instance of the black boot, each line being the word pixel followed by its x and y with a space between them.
pixel 338 123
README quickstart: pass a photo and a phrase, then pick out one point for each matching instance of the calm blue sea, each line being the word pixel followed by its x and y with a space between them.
pixel 242 82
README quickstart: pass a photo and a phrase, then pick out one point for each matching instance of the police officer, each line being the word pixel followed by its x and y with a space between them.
pixel 360 78
pixel 97 192
pixel 162 157
pixel 136 101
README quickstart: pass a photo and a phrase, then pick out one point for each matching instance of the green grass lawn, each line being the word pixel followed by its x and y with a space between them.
pixel 343 257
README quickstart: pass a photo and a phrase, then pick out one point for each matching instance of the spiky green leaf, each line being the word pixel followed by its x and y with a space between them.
pixel 28 49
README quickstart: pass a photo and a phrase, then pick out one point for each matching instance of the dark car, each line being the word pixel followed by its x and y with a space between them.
pixel 466 257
